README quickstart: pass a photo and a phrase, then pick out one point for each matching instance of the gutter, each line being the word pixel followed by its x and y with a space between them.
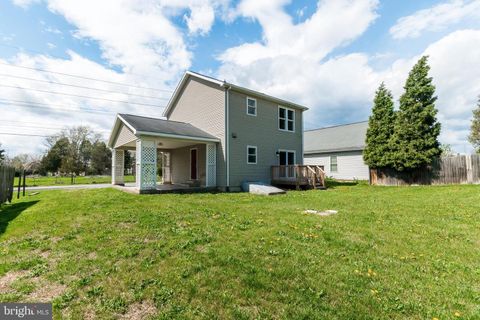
pixel 227 132
pixel 333 150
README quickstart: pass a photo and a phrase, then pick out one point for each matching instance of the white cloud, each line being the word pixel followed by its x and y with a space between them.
pixel 435 18
pixel 48 110
pixel 289 60
pixel 456 71
pixel 334 23
pixel 201 19
pixel 341 89
pixel 293 61
pixel 138 37
pixel 25 3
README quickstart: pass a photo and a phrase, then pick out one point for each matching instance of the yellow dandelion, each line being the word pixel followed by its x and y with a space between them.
pixel 457 314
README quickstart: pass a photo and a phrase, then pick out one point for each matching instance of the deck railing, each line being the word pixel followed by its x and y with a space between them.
pixel 299 175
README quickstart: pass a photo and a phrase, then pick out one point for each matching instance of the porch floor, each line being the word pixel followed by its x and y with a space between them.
pixel 164 188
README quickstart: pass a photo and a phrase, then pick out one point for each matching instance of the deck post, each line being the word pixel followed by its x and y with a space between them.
pixel 297 175
pixel 146 164
pixel 118 157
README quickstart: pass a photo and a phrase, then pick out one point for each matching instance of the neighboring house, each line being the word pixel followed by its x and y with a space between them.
pixel 215 134
pixel 339 149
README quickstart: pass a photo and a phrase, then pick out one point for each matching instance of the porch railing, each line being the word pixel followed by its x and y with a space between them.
pixel 299 175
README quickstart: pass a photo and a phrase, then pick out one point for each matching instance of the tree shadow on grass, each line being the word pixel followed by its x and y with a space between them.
pixel 9 212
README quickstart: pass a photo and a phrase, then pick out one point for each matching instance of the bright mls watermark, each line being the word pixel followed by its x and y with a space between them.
pixel 33 311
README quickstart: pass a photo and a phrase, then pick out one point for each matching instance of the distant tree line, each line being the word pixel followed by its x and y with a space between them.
pixel 406 139
pixel 76 150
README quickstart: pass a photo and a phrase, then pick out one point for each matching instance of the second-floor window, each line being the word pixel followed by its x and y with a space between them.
pixel 286 119
pixel 251 106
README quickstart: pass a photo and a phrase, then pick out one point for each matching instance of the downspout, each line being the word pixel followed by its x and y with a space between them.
pixel 303 147
pixel 227 133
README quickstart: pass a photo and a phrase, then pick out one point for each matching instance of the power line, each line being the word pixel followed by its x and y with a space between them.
pixel 80 110
pixel 81 96
pixel 27 122
pixel 34 127
pixel 83 77
pixel 38 127
pixel 22 134
pixel 13 101
pixel 82 87
pixel 63 58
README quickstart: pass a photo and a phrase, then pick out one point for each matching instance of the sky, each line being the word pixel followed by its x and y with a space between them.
pixel 68 62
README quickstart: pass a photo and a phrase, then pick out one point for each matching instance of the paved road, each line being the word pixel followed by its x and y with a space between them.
pixel 75 186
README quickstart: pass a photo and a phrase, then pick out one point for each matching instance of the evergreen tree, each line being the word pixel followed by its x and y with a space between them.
pixel 416 130
pixel 377 151
pixel 474 137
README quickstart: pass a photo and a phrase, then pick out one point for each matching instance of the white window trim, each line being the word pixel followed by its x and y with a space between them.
pixel 246 102
pixel 286 119
pixel 256 154
pixel 294 155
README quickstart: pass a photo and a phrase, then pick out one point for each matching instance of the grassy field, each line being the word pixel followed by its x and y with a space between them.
pixel 389 253
pixel 53 181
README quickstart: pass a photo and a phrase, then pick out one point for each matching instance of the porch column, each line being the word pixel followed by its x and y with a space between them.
pixel 146 163
pixel 118 157
pixel 166 172
pixel 211 162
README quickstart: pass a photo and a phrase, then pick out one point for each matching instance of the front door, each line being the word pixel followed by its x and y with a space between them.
pixel 193 164
pixel 287 159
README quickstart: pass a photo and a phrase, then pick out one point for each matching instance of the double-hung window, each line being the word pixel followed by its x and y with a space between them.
pixel 251 154
pixel 286 119
pixel 251 106
pixel 333 164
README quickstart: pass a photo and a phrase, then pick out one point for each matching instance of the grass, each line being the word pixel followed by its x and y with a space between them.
pixel 389 253
pixel 32 181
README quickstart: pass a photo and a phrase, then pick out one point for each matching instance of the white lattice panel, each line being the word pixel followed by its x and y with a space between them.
pixel 117 166
pixel 146 164
pixel 211 165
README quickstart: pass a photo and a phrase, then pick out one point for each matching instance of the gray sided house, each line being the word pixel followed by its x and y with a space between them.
pixel 213 134
pixel 339 149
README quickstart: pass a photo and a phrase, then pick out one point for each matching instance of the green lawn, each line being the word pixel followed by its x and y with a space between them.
pixel 389 253
pixel 53 181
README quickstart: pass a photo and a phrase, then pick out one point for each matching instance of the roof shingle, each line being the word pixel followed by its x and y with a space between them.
pixel 161 126
pixel 347 137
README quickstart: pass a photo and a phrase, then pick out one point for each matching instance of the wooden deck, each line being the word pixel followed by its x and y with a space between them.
pixel 300 176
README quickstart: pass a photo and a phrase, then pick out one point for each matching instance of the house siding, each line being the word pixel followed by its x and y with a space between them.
pixel 260 131
pixel 180 164
pixel 350 164
pixel 125 135
pixel 202 104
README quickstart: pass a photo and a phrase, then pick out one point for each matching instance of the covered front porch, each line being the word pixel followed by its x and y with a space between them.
pixel 182 155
